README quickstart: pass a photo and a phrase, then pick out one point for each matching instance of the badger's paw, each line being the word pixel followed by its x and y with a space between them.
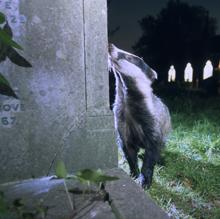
pixel 145 180
pixel 134 174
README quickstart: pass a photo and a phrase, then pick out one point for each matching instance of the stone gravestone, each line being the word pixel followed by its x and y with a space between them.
pixel 63 106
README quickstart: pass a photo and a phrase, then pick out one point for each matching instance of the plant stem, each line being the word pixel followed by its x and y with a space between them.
pixel 68 195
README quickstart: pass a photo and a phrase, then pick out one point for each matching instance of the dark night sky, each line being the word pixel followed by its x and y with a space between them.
pixel 126 13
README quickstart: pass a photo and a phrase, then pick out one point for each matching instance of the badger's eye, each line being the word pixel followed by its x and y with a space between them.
pixel 129 58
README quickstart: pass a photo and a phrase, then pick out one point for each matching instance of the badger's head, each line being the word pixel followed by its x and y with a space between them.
pixel 130 65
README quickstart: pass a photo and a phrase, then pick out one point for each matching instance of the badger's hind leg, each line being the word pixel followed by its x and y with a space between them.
pixel 131 156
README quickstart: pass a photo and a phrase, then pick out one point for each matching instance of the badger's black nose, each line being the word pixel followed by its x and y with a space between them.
pixel 110 47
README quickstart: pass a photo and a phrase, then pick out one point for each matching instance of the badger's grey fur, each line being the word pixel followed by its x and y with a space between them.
pixel 141 119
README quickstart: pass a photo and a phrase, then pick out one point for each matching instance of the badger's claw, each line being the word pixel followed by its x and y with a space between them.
pixel 134 174
pixel 145 179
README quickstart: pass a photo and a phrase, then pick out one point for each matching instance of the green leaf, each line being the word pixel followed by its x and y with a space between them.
pixel 7 29
pixel 61 170
pixel 5 88
pixel 2 18
pixel 17 59
pixel 95 176
pixel 3 80
pixel 5 38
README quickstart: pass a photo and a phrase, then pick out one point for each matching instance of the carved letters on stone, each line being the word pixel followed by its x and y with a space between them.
pixel 11 9
pixel 8 110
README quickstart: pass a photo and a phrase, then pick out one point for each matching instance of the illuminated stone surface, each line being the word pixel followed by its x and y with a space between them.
pixel 63 110
pixel 127 198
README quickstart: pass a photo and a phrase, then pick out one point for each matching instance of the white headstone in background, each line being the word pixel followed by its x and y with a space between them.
pixel 188 73
pixel 208 70
pixel 171 74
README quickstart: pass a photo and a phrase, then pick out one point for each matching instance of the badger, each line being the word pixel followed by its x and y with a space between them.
pixel 142 120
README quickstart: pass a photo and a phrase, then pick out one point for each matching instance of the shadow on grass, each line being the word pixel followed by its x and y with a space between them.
pixel 202 177
pixel 187 178
pixel 185 206
pixel 199 193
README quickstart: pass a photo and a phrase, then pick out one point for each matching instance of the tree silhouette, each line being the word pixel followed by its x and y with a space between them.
pixel 180 33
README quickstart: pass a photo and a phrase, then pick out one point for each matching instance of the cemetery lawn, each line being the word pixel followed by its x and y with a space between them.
pixel 187 184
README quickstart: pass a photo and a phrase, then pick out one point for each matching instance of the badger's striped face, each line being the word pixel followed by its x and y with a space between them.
pixel 130 65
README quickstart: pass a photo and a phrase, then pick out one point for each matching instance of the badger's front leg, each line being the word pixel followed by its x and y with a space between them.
pixel 149 161
pixel 131 156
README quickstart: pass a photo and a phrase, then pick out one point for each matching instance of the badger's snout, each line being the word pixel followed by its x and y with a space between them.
pixel 113 51
pixel 110 47
pixel 112 56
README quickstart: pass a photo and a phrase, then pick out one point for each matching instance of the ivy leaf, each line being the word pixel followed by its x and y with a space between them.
pixel 7 29
pixel 3 80
pixel 6 38
pixel 94 176
pixel 2 18
pixel 7 50
pixel 61 170
pixel 5 88
pixel 16 58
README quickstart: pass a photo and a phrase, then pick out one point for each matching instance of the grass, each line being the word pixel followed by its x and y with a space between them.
pixel 188 184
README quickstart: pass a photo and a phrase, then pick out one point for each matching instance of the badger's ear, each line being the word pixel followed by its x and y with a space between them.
pixel 153 75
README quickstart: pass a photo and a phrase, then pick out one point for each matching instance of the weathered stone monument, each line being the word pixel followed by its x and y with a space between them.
pixel 62 113
pixel 63 106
